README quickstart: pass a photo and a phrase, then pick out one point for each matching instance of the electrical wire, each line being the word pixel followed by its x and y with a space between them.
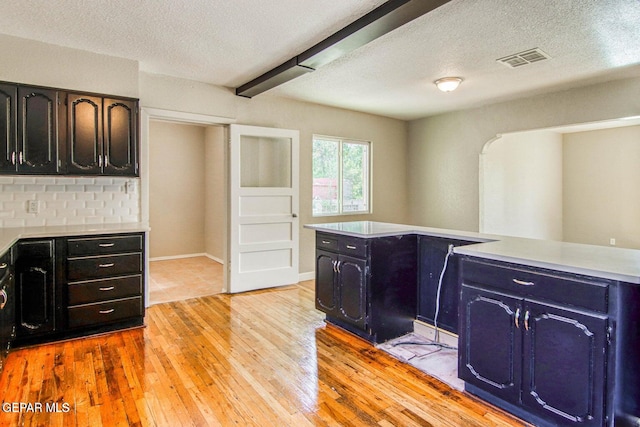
pixel 438 291
pixel 436 342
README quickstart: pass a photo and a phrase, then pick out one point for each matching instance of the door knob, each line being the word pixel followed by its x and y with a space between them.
pixel 294 215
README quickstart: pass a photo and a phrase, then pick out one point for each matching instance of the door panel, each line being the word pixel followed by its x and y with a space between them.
pixel 85 134
pixel 37 130
pixel 490 342
pixel 352 289
pixel 264 206
pixel 570 343
pixel 8 96
pixel 326 282
pixel 120 137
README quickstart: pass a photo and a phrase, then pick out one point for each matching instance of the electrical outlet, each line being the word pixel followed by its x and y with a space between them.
pixel 130 187
pixel 612 241
pixel 33 206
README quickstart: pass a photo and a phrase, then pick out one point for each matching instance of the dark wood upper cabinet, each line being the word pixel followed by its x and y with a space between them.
pixel 94 135
pixel 103 136
pixel 8 97
pixel 84 116
pixel 120 137
pixel 37 147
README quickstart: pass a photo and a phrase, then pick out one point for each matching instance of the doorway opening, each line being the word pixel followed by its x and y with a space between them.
pixel 185 203
pixel 574 183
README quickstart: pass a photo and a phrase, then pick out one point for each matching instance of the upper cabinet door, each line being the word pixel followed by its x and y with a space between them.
pixel 37 131
pixel 8 96
pixel 84 116
pixel 120 137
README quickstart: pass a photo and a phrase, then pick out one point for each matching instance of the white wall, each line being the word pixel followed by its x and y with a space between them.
pixel 443 152
pixel 602 187
pixel 42 64
pixel 176 189
pixel 388 136
pixel 521 186
pixel 215 182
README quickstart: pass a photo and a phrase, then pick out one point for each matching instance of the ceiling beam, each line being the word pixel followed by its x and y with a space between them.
pixel 382 20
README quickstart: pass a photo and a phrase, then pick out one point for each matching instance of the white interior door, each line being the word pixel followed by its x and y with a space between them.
pixel 264 207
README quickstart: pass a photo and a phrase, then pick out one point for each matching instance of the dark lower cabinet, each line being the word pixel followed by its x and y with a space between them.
pixel 7 307
pixel 71 287
pixel 546 360
pixel 490 342
pixel 104 281
pixel 36 312
pixel 564 369
pixel 367 286
pixel 352 287
pixel 341 287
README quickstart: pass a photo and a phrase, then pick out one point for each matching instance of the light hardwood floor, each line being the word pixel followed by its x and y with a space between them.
pixel 263 358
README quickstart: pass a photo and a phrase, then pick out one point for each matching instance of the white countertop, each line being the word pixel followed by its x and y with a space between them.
pixel 598 261
pixel 9 236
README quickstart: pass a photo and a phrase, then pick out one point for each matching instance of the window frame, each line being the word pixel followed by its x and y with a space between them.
pixel 367 182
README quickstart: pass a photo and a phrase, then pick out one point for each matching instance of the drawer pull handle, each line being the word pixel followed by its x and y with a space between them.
pixel 517 319
pixel 3 266
pixel 106 265
pixel 326 242
pixel 110 288
pixel 106 245
pixel 107 311
pixel 522 282
pixel 351 247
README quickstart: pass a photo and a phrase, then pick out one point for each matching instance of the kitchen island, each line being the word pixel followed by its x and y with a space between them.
pixel 547 330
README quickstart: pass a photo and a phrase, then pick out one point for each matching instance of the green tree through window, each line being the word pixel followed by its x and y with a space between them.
pixel 340 176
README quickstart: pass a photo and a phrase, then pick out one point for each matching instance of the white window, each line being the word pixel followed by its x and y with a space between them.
pixel 341 178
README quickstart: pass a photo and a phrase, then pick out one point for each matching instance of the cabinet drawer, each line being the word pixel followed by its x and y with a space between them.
pixel 326 242
pixel 579 291
pixel 104 245
pixel 105 312
pixel 103 266
pixel 353 246
pixel 104 289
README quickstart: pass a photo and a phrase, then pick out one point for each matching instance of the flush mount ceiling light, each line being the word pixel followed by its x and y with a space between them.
pixel 448 84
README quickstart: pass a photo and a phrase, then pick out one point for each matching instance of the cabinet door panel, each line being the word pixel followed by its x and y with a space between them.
pixel 85 134
pixel 490 342
pixel 8 96
pixel 120 137
pixel 36 299
pixel 326 282
pixel 352 289
pixel 564 371
pixel 37 130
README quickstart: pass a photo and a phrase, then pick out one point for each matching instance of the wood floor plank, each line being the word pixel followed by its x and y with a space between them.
pixel 254 359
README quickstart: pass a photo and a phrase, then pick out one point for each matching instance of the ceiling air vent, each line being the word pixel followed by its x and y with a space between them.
pixel 523 58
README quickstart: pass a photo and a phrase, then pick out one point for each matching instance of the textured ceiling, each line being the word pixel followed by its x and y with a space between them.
pixel 230 42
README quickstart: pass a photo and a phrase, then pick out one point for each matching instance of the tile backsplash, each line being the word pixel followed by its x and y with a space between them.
pixel 68 200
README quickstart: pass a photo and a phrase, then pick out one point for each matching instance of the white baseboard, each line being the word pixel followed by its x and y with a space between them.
pixel 167 258
pixel 310 275
pixel 428 331
pixel 216 259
